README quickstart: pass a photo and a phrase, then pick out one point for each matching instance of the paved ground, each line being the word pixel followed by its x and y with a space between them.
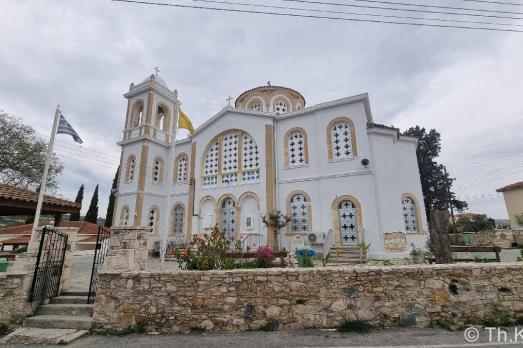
pixel 433 338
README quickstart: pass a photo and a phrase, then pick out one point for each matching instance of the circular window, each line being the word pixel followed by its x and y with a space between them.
pixel 280 107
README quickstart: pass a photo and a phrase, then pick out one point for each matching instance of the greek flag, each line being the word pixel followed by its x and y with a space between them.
pixel 65 128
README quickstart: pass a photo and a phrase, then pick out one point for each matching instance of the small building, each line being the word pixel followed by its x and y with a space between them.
pixel 513 195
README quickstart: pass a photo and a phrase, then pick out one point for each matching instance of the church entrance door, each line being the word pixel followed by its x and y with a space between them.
pixel 229 219
pixel 348 223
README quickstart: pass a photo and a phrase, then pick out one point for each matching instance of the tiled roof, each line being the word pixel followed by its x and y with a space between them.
pixel 514 186
pixel 84 227
pixel 17 240
pixel 20 194
pixel 268 86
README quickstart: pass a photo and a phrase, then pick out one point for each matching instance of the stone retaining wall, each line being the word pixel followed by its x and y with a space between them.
pixel 14 290
pixel 501 238
pixel 303 298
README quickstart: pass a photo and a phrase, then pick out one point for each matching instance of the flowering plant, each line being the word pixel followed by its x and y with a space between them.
pixel 264 256
pixel 205 252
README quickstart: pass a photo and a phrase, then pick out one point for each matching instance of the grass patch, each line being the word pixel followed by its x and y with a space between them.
pixel 138 328
pixel 4 330
pixel 197 330
pixel 358 326
pixel 501 321
pixel 271 325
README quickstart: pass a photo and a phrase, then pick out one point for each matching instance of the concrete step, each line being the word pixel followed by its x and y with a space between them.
pixel 30 335
pixel 66 309
pixel 69 299
pixel 74 293
pixel 59 322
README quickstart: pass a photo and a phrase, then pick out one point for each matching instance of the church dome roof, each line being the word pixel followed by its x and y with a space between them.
pixel 265 98
pixel 157 79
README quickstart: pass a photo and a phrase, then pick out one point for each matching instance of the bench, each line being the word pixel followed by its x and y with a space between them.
pixel 476 249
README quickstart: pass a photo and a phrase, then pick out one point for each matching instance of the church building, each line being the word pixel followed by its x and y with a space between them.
pixel 341 177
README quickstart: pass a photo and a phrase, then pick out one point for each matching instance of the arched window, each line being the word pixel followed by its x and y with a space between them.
pixel 181 169
pixel 130 169
pixel 281 106
pixel 410 214
pixel 341 138
pixel 239 160
pixel 228 221
pixel 153 218
pixel 348 222
pixel 210 165
pixel 157 170
pixel 124 216
pixel 137 114
pixel 256 105
pixel 162 117
pixel 177 219
pixel 296 152
pixel 299 211
pixel 250 159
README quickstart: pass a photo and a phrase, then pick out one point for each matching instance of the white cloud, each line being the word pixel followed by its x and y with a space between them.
pixel 85 54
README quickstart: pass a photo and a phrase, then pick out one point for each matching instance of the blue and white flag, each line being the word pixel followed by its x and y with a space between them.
pixel 65 128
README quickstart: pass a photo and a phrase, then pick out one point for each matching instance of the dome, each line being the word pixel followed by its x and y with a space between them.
pixel 157 79
pixel 268 98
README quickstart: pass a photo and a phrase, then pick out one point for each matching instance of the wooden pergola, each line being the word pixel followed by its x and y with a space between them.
pixel 19 201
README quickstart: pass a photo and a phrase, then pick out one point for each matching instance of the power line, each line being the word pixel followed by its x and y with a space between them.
pixel 496 2
pixel 317 17
pixel 399 9
pixel 354 13
pixel 436 6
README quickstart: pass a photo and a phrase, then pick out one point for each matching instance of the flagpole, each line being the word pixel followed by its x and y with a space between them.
pixel 43 184
pixel 163 243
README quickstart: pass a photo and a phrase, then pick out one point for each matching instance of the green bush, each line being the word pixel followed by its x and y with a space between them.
pixel 358 325
pixel 419 256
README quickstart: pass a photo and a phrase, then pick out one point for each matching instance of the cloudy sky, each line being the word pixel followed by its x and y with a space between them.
pixel 84 54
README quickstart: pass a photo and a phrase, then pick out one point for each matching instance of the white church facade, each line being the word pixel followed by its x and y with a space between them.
pixel 341 177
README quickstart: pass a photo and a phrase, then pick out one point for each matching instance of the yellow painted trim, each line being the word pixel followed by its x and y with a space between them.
pixel 192 188
pixel 309 211
pixel 286 145
pixel 419 221
pixel 336 217
pixel 353 135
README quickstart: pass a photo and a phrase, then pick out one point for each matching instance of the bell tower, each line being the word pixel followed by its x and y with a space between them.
pixel 149 131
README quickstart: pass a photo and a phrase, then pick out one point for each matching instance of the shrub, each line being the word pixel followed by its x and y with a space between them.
pixel 419 256
pixel 21 250
pixel 358 325
pixel 205 253
pixel 264 257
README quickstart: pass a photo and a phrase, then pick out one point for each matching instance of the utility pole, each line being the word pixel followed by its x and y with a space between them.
pixel 449 200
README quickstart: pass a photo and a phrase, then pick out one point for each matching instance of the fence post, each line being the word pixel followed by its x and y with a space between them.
pixel 128 249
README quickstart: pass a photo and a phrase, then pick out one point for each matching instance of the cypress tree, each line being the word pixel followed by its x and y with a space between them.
pixel 110 206
pixel 79 199
pixel 92 212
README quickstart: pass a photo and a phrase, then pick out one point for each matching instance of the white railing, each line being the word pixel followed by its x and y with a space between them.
pixel 178 239
pixel 251 241
pixel 328 241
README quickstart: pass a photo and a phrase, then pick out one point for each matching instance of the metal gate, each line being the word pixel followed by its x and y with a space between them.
pixel 49 265
pixel 102 243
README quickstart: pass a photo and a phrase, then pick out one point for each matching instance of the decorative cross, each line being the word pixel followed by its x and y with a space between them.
pixel 229 99
pixel 157 70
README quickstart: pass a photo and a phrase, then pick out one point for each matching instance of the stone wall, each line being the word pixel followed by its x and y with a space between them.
pixel 14 291
pixel 304 298
pixel 501 238
pixel 395 242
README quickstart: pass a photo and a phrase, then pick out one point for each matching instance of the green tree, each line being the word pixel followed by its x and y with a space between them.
pixel 22 156
pixel 110 206
pixel 79 198
pixel 435 182
pixel 276 220
pixel 476 223
pixel 92 212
